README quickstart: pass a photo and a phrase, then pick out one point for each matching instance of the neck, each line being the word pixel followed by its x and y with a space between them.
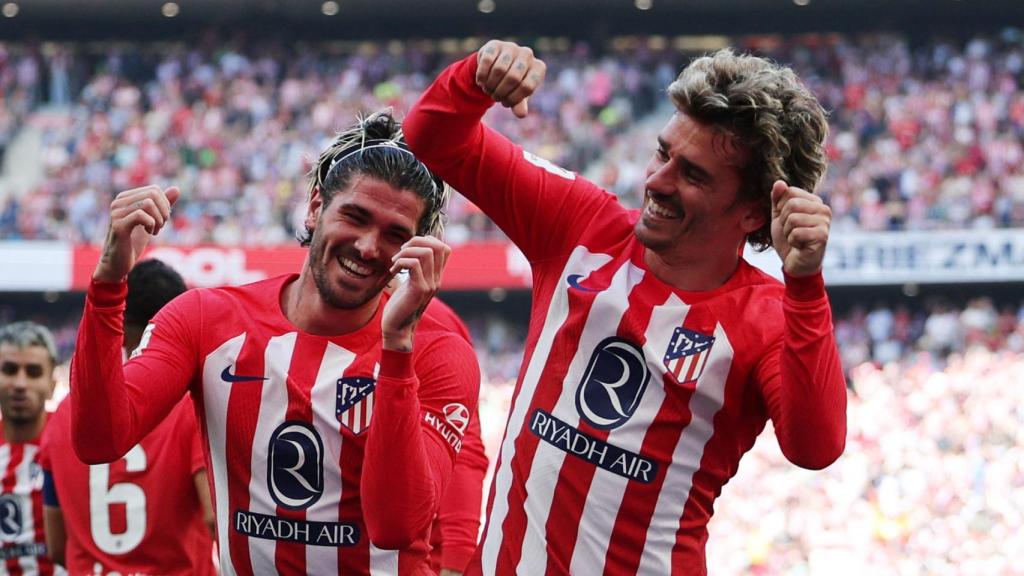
pixel 303 307
pixel 697 271
pixel 24 432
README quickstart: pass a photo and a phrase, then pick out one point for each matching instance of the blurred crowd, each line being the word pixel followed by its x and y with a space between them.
pixel 236 125
pixel 931 483
pixel 924 135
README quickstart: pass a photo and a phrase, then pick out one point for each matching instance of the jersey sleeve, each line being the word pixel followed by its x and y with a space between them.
pixel 802 378
pixel 459 516
pixel 544 209
pixel 113 405
pixel 423 402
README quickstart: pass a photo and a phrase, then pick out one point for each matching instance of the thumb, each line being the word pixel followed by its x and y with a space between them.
pixel 779 189
pixel 522 108
pixel 172 193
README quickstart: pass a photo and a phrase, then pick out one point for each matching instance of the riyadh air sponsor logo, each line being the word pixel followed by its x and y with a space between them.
pixel 457 415
pixel 605 456
pixel 10 518
pixel 354 405
pixel 295 465
pixel 227 376
pixel 575 280
pixel 337 534
pixel 613 384
pixel 687 354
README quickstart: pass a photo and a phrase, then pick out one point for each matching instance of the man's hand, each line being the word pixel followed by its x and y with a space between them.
pixel 800 225
pixel 135 216
pixel 423 258
pixel 509 73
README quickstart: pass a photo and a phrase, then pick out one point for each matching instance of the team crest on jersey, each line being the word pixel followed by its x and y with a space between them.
pixel 687 354
pixel 10 518
pixel 354 406
pixel 613 385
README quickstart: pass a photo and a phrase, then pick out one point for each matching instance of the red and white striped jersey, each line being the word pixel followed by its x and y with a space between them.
pixel 298 428
pixel 22 539
pixel 636 400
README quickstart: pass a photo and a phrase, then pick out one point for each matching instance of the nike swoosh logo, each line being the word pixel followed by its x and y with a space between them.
pixel 574 282
pixel 227 376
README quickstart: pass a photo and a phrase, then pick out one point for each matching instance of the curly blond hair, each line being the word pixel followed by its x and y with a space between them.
pixel 768 112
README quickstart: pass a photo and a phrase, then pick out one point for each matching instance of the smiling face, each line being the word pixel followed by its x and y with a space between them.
pixel 26 382
pixel 690 202
pixel 355 236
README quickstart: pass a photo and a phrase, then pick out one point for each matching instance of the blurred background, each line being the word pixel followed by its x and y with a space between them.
pixel 231 100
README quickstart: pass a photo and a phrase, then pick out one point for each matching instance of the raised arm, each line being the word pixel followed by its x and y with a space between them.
pixel 114 406
pixel 521 192
pixel 803 378
pixel 410 450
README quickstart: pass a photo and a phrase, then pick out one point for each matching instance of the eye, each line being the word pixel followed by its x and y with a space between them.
pixel 662 154
pixel 692 176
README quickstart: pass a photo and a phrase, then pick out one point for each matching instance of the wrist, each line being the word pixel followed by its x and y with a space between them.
pixel 400 341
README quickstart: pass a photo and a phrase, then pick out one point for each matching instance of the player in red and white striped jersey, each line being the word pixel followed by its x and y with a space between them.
pixel 147 513
pixel 326 414
pixel 655 354
pixel 27 359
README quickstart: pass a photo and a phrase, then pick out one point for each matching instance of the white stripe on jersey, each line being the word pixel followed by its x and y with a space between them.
pixel 706 401
pixel 383 562
pixel 598 519
pixel 548 460
pixel 215 407
pixel 23 488
pixel 581 261
pixel 272 412
pixel 324 397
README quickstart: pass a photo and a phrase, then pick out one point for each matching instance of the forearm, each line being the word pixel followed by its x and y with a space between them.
pixel 445 123
pixel 102 429
pixel 811 426
pixel 399 482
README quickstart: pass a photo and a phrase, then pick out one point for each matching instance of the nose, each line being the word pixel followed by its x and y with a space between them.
pixel 658 177
pixel 368 246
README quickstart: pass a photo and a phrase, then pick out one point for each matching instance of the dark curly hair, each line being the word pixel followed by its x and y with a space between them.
pixel 151 285
pixel 375 146
pixel 769 113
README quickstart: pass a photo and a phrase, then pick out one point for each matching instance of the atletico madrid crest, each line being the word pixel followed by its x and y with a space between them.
pixel 687 354
pixel 355 402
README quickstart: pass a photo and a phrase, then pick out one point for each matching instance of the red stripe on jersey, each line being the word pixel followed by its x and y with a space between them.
pixel 354 559
pixel 290 557
pixel 638 502
pixel 242 415
pixel 577 474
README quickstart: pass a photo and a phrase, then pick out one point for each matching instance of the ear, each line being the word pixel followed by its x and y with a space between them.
pixel 753 217
pixel 316 205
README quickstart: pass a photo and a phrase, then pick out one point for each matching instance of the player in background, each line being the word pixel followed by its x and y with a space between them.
pixel 655 354
pixel 322 406
pixel 28 357
pixel 149 512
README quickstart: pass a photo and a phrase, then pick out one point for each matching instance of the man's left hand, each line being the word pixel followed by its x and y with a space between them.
pixel 800 225
pixel 423 257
